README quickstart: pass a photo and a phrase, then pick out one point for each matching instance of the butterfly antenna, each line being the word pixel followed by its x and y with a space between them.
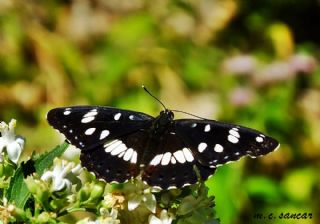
pixel 180 111
pixel 145 89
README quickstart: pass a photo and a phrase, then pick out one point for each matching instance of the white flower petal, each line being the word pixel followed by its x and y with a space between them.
pixel 2 144
pixel 114 213
pixel 150 202
pixel 154 220
pixel 165 218
pixel 58 184
pixel 68 184
pixel 14 151
pixel 72 153
pixel 134 202
pixel 14 145
pixel 46 176
pixel 12 124
pixel 20 141
pixel 77 169
pixel 57 177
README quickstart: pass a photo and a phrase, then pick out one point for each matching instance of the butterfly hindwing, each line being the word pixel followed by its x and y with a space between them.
pixel 116 160
pixel 169 163
pixel 172 164
pixel 108 167
pixel 214 143
pixel 90 126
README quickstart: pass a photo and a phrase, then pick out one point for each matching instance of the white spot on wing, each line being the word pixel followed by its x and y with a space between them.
pixel 218 148
pixel 194 125
pixel 121 154
pixel 186 184
pixel 89 131
pixel 234 133
pixel 117 150
pixel 128 154
pixel 171 187
pixel 187 154
pixel 156 160
pixel 278 146
pixel 202 146
pixel 233 139
pixel 134 157
pixel 166 159
pixel 87 119
pixel 91 113
pixel 259 139
pixel 108 147
pixel 207 128
pixel 90 116
pixel 131 117
pixel 117 116
pixel 173 160
pixel 179 156
pixel 104 134
pixel 110 143
pixel 67 111
pixel 213 162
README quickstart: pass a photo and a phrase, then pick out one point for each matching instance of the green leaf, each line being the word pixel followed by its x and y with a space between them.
pixel 18 192
pixel 46 160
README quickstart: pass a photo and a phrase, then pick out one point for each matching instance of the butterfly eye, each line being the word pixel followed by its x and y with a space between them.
pixel 171 115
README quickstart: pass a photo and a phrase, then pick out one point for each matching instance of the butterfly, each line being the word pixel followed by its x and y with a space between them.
pixel 118 145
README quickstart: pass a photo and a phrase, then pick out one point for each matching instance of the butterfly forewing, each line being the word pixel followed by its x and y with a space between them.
pixel 109 138
pixel 88 126
pixel 214 143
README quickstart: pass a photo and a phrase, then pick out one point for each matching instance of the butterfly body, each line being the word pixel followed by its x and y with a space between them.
pixel 119 144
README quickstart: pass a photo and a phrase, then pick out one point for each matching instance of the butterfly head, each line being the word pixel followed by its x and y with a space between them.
pixel 167 115
pixel 161 122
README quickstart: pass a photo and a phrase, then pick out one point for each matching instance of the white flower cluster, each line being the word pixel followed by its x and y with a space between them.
pixel 57 177
pixel 66 187
pixel 164 218
pixel 140 194
pixel 10 144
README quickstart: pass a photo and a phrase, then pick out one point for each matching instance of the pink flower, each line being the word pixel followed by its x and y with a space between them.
pixel 241 96
pixel 240 65
pixel 274 72
pixel 303 63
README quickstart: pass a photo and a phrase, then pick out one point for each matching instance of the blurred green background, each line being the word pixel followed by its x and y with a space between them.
pixel 252 63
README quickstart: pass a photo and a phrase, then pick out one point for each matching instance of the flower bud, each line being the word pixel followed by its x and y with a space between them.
pixel 97 190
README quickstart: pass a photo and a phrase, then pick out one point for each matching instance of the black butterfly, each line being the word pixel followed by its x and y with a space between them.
pixel 118 145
